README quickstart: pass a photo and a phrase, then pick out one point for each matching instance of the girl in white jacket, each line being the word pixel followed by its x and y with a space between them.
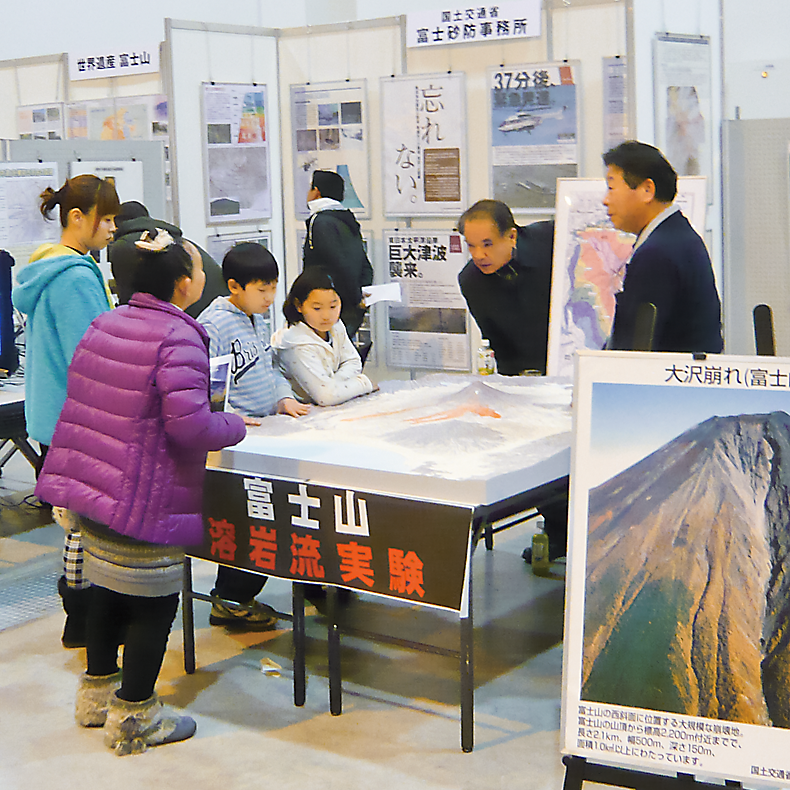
pixel 314 351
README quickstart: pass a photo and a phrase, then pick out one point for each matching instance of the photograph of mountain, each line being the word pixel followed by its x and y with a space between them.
pixel 687 604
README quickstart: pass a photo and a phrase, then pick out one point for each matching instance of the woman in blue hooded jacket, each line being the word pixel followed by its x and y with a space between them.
pixel 61 291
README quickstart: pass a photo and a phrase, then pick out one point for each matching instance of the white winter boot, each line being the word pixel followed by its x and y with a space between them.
pixel 93 698
pixel 134 726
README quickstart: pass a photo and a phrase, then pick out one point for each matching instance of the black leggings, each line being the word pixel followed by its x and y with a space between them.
pixel 142 625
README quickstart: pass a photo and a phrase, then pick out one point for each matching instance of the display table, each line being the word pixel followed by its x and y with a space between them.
pixel 387 494
pixel 13 430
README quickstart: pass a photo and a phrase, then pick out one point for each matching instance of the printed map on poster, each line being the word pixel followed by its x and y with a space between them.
pixel 590 257
pixel 237 153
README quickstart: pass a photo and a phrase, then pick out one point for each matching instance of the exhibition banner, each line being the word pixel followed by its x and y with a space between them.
pixel 678 593
pixel 102 62
pixel 329 122
pixel 424 145
pixel 534 132
pixel 428 328
pixel 409 549
pixel 590 259
pixel 236 153
pixel 468 24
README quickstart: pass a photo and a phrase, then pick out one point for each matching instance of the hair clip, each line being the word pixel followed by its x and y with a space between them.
pixel 158 243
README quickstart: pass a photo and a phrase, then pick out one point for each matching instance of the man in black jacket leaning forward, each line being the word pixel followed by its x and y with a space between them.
pixel 507 287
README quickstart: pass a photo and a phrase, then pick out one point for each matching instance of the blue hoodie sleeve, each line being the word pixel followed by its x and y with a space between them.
pixel 72 306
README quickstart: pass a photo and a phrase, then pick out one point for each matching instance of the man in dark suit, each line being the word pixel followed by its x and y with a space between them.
pixel 670 266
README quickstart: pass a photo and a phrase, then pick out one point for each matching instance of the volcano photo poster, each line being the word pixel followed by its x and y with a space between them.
pixel 677 625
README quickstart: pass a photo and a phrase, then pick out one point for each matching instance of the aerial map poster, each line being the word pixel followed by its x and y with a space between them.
pixel 534 132
pixel 236 153
pixel 676 657
pixel 683 103
pixel 590 256
pixel 22 228
pixel 330 132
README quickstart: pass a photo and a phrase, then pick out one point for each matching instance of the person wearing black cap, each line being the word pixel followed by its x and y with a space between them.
pixel 123 255
pixel 334 242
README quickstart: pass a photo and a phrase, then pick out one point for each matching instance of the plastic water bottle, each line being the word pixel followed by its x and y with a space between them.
pixel 540 550
pixel 486 364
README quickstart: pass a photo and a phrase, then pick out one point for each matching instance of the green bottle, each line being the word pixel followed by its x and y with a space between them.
pixel 540 551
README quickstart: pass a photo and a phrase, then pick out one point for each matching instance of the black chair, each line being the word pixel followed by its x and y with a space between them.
pixel 644 327
pixel 764 341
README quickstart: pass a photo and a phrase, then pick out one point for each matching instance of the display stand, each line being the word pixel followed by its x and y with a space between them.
pixel 578 771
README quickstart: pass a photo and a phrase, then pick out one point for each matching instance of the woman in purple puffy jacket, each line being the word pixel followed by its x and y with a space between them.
pixel 128 459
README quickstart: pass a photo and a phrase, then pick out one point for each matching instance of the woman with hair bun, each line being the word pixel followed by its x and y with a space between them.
pixel 61 291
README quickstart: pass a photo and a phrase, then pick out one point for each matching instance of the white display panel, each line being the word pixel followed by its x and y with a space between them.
pixel 424 145
pixel 674 649
pixel 590 257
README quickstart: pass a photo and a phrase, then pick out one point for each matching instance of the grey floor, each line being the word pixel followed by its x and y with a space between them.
pixel 400 722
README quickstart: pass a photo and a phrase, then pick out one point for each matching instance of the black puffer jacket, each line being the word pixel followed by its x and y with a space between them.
pixel 334 241
pixel 123 258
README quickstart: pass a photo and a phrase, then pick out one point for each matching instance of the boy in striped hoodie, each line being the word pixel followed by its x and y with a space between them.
pixel 237 325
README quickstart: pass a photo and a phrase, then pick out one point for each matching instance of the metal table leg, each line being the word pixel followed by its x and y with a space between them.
pixel 188 619
pixel 300 686
pixel 467 677
pixel 333 652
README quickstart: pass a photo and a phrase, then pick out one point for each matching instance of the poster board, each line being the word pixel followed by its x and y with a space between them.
pixel 236 153
pixel 683 103
pixel 615 102
pixel 589 262
pixel 127 176
pixel 118 118
pixel 674 659
pixel 41 121
pixel 534 132
pixel 330 131
pixel 424 144
pixel 22 227
pixel 430 327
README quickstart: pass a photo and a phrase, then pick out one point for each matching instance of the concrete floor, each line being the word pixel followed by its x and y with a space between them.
pixel 400 723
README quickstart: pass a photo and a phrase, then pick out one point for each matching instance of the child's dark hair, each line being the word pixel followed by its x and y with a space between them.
pixel 313 279
pixel 249 262
pixel 157 273
pixel 82 192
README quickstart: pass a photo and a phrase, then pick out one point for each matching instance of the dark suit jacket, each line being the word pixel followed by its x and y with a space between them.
pixel 672 270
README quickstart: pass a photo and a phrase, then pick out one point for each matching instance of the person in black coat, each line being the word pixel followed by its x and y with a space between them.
pixel 131 222
pixel 507 284
pixel 670 266
pixel 507 287
pixel 334 242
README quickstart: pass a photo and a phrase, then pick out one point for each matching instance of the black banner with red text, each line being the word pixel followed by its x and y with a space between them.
pixel 402 548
